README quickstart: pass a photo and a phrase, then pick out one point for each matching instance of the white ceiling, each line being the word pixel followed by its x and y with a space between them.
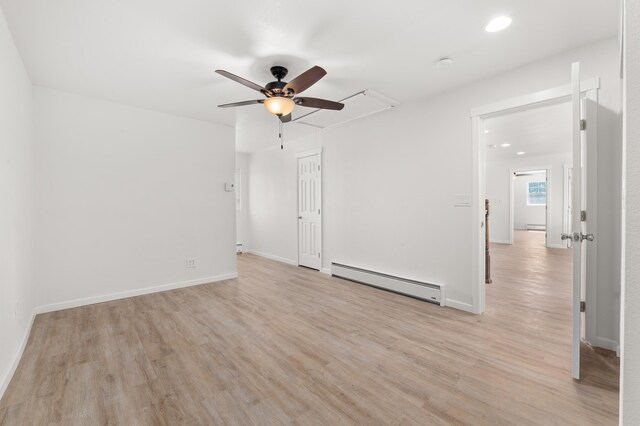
pixel 160 54
pixel 540 131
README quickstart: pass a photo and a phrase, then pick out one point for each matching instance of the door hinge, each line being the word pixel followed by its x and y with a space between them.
pixel 318 254
pixel 583 216
pixel 583 124
pixel 318 211
pixel 583 306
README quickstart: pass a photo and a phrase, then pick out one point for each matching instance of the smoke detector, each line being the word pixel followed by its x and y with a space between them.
pixel 444 62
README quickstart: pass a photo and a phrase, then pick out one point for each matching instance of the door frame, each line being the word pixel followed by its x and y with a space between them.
pixel 299 155
pixel 547 170
pixel 567 176
pixel 478 115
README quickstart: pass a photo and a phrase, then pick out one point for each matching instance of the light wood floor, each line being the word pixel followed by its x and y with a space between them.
pixel 285 345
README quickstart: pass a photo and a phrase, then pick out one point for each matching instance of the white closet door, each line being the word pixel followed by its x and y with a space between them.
pixel 309 211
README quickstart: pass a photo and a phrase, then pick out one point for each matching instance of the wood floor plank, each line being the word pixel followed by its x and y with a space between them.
pixel 287 345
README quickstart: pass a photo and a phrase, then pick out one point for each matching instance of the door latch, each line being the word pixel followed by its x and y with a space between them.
pixel 577 237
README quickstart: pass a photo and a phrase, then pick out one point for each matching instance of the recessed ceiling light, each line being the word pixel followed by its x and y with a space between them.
pixel 498 24
pixel 493 146
pixel 520 153
pixel 504 145
pixel 486 131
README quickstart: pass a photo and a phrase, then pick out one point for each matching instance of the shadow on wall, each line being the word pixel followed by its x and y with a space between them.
pixel 609 224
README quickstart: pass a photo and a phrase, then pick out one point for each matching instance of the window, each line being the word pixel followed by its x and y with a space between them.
pixel 238 190
pixel 537 194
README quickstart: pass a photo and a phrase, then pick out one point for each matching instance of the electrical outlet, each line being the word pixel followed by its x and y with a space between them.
pixel 191 263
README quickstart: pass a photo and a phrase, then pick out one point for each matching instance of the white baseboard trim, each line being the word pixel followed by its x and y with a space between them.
pixel 130 293
pixel 605 343
pixel 467 307
pixel 6 379
pixel 326 271
pixel 272 257
pixel 499 242
pixel 558 246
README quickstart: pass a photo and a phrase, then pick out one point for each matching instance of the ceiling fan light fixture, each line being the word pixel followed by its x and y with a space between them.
pixel 279 105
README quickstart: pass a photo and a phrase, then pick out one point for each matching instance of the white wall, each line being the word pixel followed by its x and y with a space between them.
pixel 242 216
pixel 126 195
pixel 497 191
pixel 630 371
pixel 17 291
pixel 390 181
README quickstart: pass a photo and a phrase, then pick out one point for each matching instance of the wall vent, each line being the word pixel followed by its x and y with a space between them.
pixel 433 293
pixel 356 106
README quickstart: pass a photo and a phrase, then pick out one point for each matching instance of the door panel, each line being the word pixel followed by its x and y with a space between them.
pixel 590 202
pixel 577 223
pixel 584 212
pixel 309 212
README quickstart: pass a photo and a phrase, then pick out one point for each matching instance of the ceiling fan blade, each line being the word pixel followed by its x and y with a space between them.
pixel 285 118
pixel 318 103
pixel 305 80
pixel 242 81
pixel 243 103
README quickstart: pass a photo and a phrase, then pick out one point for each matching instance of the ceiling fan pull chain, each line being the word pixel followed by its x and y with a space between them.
pixel 280 134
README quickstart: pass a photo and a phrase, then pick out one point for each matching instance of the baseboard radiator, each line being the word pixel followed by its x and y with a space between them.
pixel 420 290
pixel 535 227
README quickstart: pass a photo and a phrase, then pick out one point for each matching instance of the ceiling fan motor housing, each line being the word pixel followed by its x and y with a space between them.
pixel 275 86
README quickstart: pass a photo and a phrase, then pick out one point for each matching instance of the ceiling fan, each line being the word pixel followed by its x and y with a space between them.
pixel 281 97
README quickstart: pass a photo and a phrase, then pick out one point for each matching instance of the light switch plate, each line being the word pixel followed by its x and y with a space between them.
pixel 462 200
pixel 229 187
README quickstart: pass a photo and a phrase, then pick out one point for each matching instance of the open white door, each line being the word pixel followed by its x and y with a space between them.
pixel 309 219
pixel 576 222
pixel 578 233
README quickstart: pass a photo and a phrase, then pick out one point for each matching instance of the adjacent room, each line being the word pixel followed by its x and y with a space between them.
pixel 315 213
pixel 529 159
pixel 528 177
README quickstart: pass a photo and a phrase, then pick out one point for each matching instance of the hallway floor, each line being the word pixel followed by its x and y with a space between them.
pixel 537 282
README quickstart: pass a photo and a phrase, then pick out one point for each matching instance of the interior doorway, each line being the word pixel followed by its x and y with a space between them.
pixel 530 204
pixel 526 154
pixel 583 98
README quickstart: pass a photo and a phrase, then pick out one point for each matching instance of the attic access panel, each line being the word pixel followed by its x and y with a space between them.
pixel 356 106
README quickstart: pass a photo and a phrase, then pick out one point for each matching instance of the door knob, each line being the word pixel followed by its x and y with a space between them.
pixel 588 237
